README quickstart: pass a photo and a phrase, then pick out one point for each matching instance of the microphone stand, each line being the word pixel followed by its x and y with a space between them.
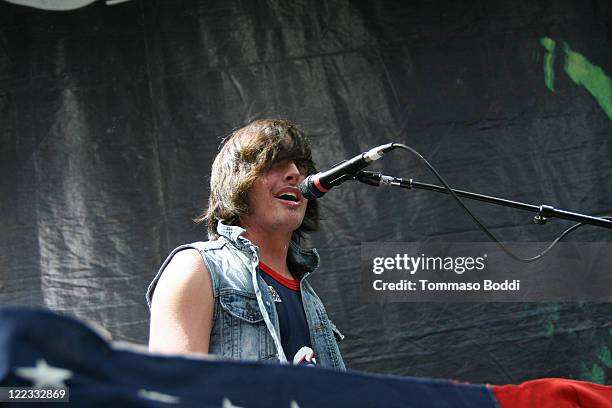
pixel 543 212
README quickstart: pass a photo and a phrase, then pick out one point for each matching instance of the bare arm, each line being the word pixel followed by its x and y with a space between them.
pixel 182 307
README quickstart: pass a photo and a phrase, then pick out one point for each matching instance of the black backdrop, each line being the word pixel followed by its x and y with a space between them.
pixel 110 117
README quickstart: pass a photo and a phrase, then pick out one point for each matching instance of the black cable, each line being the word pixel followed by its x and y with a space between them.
pixel 480 224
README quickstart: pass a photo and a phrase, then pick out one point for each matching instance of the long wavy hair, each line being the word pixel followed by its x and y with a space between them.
pixel 247 154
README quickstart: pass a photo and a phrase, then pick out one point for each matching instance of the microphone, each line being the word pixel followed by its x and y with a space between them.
pixel 315 185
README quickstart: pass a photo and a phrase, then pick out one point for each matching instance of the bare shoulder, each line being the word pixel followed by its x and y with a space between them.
pixel 187 260
pixel 186 273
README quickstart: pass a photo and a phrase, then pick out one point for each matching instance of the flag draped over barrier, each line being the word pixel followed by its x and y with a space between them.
pixel 42 349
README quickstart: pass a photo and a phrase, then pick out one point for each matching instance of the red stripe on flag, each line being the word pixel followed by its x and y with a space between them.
pixel 554 393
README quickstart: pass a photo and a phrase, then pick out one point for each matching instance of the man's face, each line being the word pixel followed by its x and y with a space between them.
pixel 275 201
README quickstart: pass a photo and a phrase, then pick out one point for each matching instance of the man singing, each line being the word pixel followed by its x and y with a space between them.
pixel 245 293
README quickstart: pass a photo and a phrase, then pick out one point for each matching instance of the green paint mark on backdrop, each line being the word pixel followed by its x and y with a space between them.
pixel 549 61
pixel 550 329
pixel 552 320
pixel 581 71
pixel 605 356
pixel 593 78
pixel 595 374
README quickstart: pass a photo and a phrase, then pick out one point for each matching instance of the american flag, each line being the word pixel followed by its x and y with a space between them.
pixel 39 348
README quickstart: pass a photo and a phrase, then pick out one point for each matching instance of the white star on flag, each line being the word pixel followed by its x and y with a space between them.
pixel 228 404
pixel 44 375
pixel 158 396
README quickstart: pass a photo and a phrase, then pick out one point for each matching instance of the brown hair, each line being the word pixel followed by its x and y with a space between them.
pixel 247 154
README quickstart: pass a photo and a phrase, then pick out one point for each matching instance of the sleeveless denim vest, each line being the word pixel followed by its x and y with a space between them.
pixel 245 322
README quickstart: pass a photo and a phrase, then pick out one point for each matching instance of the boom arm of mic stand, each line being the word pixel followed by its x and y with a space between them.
pixel 543 212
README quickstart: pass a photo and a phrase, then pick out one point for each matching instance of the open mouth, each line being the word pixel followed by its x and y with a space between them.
pixel 288 197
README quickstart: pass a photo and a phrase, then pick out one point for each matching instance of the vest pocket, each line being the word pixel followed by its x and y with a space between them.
pixel 244 334
pixel 241 305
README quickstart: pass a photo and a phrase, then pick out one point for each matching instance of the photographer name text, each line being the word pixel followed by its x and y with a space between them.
pixel 425 285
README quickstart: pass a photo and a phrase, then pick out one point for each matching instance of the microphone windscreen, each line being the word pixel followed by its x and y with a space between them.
pixel 309 190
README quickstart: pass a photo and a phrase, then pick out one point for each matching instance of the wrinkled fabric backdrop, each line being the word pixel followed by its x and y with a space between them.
pixel 110 117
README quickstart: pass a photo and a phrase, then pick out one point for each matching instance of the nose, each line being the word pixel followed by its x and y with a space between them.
pixel 292 173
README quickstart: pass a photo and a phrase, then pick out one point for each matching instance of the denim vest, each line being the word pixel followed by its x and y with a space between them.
pixel 245 322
